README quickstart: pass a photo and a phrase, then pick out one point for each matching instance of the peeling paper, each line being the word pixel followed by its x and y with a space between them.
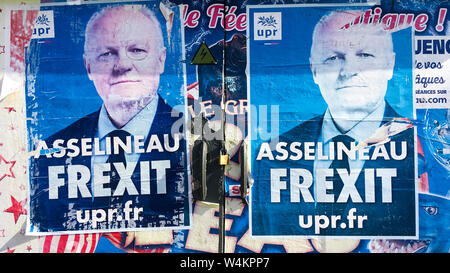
pixel 19 30
pixel 168 16
pixel 385 132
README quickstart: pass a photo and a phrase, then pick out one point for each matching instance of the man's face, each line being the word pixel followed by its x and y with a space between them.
pixel 123 58
pixel 351 66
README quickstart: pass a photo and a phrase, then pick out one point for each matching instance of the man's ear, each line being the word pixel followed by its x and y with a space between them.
pixel 88 67
pixel 313 69
pixel 162 60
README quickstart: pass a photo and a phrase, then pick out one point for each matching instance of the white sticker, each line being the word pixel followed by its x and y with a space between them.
pixel 44 26
pixel 267 26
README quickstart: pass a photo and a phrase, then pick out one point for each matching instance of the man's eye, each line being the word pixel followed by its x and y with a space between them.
pixel 365 55
pixel 105 55
pixel 333 58
pixel 431 210
pixel 137 53
pixel 137 50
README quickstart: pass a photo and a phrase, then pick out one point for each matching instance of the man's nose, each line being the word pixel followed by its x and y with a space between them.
pixel 122 64
pixel 350 67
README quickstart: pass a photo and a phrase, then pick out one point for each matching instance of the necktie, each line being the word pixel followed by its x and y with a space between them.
pixel 341 163
pixel 115 158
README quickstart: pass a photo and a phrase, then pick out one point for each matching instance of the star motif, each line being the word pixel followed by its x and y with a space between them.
pixel 28 248
pixel 17 208
pixel 10 250
pixel 4 171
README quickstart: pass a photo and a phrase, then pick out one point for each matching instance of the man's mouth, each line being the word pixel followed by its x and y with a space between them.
pixel 350 86
pixel 398 246
pixel 123 81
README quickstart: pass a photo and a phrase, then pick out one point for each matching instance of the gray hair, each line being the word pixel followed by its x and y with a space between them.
pixel 378 28
pixel 90 27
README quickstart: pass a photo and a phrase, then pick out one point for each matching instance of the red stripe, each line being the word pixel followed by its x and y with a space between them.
pixel 83 250
pixel 47 244
pixel 94 242
pixel 62 243
pixel 75 243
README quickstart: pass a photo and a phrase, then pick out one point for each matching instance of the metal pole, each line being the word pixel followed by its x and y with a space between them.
pixel 223 150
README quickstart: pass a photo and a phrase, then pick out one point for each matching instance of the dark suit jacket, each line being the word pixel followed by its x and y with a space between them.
pixel 383 218
pixel 158 209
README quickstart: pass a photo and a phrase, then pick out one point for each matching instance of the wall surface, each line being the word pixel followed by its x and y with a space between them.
pixel 272 72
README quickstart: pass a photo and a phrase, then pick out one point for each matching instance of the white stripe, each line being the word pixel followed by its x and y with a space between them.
pixel 54 244
pixel 80 243
pixel 41 244
pixel 69 243
pixel 89 243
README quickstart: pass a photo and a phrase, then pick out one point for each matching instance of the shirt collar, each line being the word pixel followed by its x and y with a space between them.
pixel 360 132
pixel 139 125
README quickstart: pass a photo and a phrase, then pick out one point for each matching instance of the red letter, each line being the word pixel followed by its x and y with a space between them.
pixel 420 24
pixel 214 12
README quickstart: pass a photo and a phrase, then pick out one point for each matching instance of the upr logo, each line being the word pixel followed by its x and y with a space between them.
pixel 267 25
pixel 43 25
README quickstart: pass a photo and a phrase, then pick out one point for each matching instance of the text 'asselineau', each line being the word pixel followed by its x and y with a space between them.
pixel 91 146
pixel 312 151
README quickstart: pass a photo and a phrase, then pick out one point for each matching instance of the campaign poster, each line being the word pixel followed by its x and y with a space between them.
pixel 333 145
pixel 105 111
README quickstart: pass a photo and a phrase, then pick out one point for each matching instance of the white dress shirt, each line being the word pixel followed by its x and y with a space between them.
pixel 360 132
pixel 139 125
